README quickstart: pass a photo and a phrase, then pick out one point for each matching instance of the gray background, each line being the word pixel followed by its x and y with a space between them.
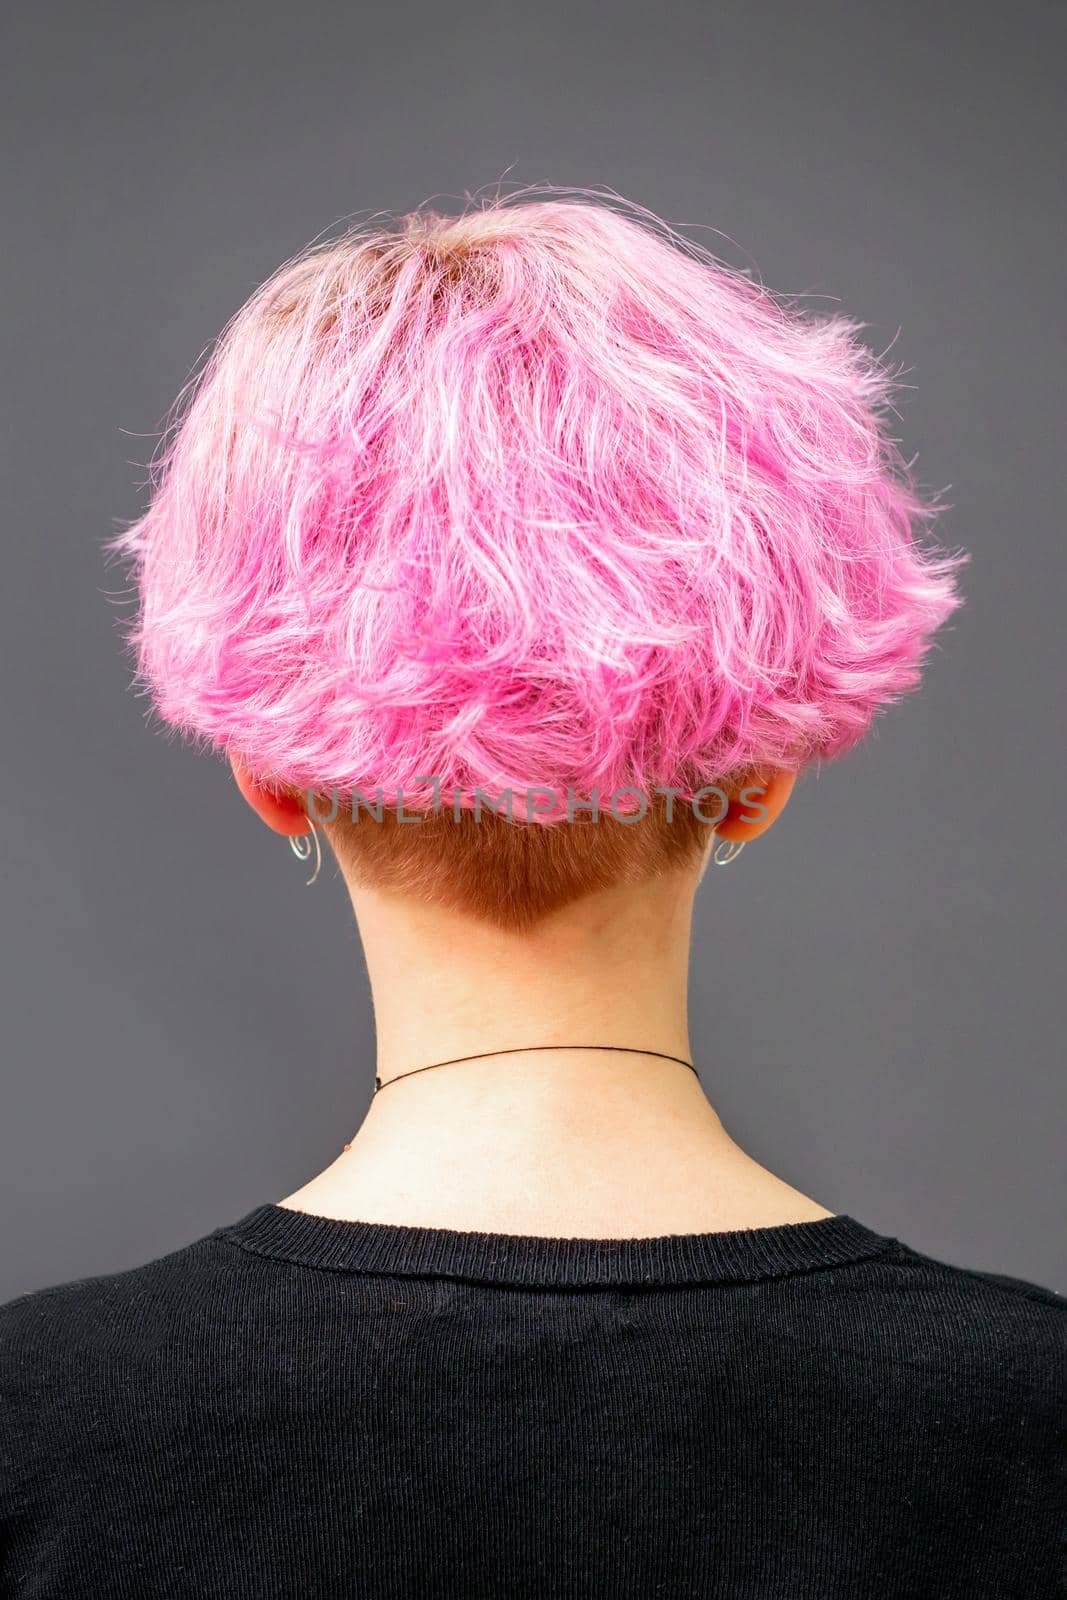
pixel 186 1027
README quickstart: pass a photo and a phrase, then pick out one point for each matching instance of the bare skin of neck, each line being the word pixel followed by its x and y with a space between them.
pixel 565 1143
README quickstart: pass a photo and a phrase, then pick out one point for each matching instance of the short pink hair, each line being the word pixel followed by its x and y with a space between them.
pixel 539 495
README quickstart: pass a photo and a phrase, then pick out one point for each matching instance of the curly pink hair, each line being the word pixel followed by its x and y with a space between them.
pixel 538 495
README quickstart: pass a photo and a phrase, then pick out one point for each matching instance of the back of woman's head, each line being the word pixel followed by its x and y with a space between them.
pixel 540 497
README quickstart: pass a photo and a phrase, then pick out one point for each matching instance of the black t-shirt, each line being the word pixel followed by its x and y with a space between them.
pixel 299 1407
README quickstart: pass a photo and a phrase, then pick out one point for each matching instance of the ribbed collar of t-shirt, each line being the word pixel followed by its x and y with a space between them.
pixel 535 1261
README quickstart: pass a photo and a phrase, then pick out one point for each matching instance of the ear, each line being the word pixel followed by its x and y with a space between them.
pixel 284 812
pixel 756 804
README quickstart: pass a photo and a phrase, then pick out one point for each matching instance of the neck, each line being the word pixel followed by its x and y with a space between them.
pixel 568 1141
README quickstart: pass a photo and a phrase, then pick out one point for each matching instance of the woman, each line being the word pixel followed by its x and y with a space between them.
pixel 527 557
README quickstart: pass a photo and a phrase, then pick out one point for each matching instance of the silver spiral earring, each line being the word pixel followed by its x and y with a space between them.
pixel 306 845
pixel 727 850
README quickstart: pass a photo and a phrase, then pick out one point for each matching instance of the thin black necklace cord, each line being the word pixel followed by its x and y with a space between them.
pixel 625 1049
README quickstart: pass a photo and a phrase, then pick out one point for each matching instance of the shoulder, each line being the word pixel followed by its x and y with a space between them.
pixel 73 1356
pixel 93 1302
pixel 52 1339
pixel 980 1337
pixel 1014 1302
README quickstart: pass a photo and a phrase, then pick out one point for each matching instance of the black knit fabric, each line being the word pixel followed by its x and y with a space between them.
pixel 297 1407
